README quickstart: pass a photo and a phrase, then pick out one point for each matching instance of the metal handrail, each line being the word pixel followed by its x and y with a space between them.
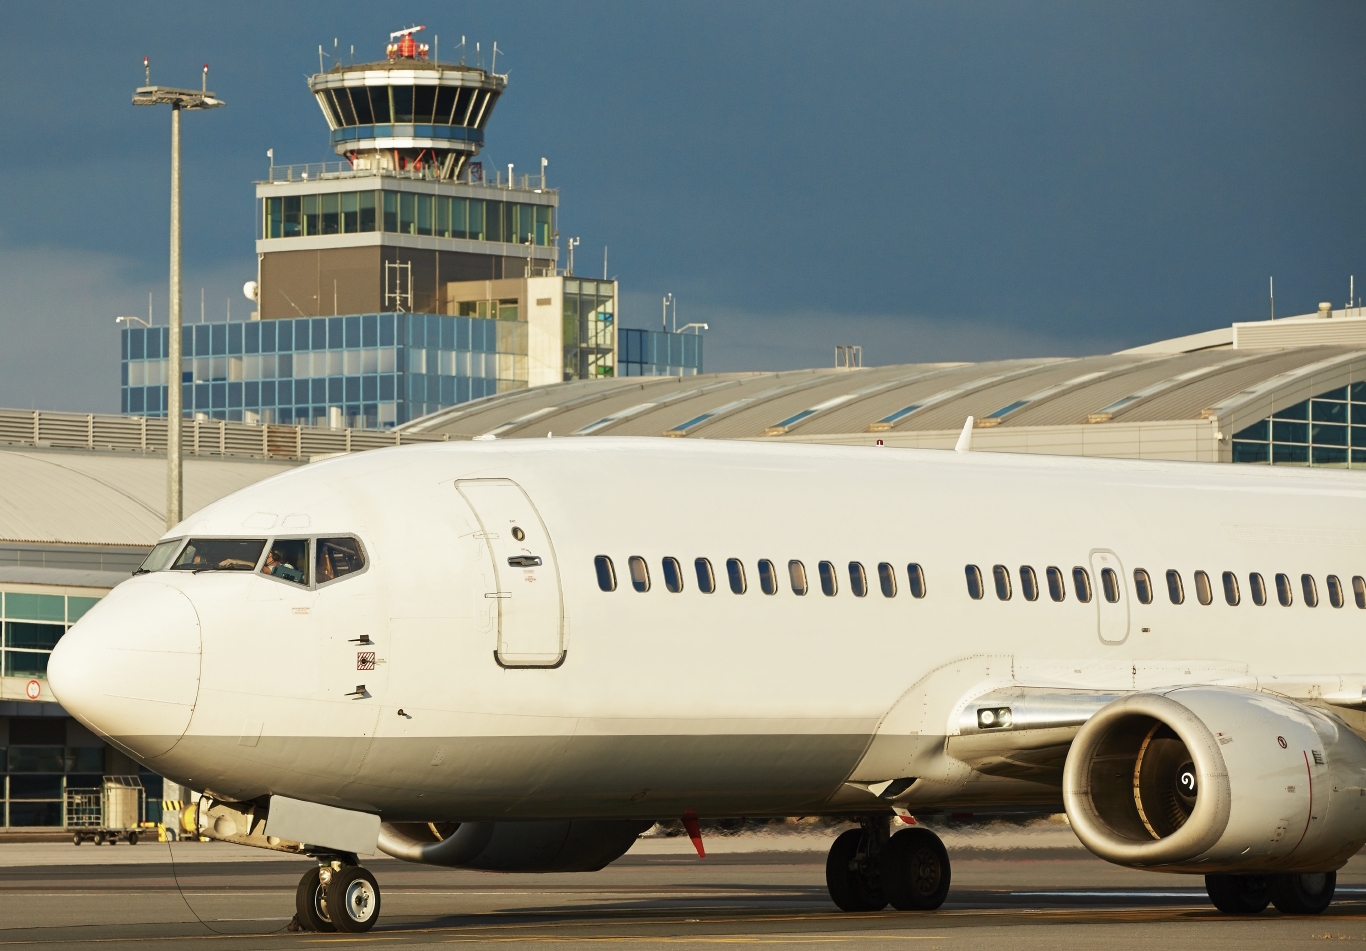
pixel 323 171
pixel 203 437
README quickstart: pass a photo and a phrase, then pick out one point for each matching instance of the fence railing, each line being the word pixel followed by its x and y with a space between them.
pixel 319 171
pixel 202 437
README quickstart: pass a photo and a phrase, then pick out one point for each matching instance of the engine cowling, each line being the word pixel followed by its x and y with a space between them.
pixel 1217 779
pixel 559 845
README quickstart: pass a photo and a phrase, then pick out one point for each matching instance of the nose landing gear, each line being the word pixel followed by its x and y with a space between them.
pixel 337 897
pixel 867 868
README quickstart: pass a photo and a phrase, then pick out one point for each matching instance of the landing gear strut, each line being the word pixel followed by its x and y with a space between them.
pixel 868 867
pixel 337 896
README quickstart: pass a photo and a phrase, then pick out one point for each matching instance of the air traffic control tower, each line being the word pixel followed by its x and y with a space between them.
pixel 409 208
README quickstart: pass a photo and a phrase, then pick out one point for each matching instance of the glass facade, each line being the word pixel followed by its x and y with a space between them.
pixel 655 353
pixel 362 371
pixel 590 310
pixel 1327 430
pixel 33 624
pixel 403 212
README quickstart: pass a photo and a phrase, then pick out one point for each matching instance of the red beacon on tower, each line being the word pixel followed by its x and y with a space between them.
pixel 406 47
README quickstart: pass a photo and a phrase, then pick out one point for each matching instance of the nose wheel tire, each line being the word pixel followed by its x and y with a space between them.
pixel 1239 894
pixel 353 899
pixel 1305 894
pixel 310 903
pixel 853 884
pixel 915 870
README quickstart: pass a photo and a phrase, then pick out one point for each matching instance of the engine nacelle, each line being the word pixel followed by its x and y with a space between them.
pixel 559 845
pixel 1217 779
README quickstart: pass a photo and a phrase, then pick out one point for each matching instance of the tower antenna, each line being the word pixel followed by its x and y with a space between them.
pixel 1273 298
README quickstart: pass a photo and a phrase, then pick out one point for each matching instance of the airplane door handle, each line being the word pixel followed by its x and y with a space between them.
pixel 524 561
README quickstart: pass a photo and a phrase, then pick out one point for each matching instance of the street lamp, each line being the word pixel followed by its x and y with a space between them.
pixel 177 99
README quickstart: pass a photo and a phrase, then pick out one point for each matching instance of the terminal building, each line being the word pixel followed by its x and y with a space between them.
pixel 403 278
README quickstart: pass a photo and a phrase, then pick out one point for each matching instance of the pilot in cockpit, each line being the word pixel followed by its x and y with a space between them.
pixel 277 564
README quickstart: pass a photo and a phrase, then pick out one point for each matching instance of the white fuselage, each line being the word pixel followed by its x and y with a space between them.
pixel 496 696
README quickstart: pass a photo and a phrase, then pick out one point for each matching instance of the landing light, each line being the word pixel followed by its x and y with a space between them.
pixel 994 718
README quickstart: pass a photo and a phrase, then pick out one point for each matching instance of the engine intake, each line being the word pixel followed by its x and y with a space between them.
pixel 1217 779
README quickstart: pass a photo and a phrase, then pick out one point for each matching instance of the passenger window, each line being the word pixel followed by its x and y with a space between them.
pixel 640 573
pixel 886 576
pixel 1057 588
pixel 1231 588
pixel 974 575
pixel 706 580
pixel 796 574
pixel 673 575
pixel 337 557
pixel 768 577
pixel 1311 591
pixel 225 554
pixel 1081 583
pixel 607 575
pixel 1029 584
pixel 286 560
pixel 736 571
pixel 1143 586
pixel 1335 597
pixel 1258 587
pixel 1203 592
pixel 1175 591
pixel 1284 593
pixel 858 581
pixel 915 576
pixel 1109 585
pixel 1001 575
pixel 1359 589
pixel 829 583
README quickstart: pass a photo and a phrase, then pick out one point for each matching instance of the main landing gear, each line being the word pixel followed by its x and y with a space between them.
pixel 336 896
pixel 868 868
pixel 1306 894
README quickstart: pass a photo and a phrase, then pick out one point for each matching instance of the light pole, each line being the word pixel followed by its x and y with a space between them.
pixel 177 99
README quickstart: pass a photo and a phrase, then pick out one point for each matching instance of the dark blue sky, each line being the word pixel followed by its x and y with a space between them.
pixel 929 180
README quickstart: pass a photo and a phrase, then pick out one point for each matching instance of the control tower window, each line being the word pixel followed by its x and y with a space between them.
pixel 338 557
pixel 220 554
pixel 403 103
pixel 379 104
pixel 424 103
pixel 445 104
pixel 342 103
pixel 360 102
pixel 287 560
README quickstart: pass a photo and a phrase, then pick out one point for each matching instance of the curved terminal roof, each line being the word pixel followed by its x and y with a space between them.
pixel 1173 406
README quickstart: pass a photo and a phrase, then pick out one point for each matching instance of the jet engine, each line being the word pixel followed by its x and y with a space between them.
pixel 560 845
pixel 1217 780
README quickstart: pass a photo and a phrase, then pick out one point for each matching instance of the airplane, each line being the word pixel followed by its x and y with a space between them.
pixel 518 655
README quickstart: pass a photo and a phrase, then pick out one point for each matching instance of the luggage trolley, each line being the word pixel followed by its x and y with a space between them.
pixel 107 813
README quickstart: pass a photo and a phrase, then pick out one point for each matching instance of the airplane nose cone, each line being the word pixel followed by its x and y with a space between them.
pixel 129 669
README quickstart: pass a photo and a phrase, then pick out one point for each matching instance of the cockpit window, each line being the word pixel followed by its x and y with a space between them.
pixel 338 557
pixel 287 560
pixel 219 554
pixel 159 558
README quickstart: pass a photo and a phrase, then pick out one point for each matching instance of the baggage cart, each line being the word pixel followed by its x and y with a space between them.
pixel 107 813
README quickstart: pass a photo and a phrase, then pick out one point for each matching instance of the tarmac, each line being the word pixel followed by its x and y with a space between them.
pixel 1014 889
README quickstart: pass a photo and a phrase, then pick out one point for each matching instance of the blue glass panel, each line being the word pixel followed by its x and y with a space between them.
pixel 1324 412
pixel 352 389
pixel 268 393
pixel 351 409
pixel 123 374
pixel 1260 430
pixel 135 399
pixel 201 396
pixel 417 387
pixel 154 398
pixel 1289 432
pixel 286 414
pixel 1251 451
pixel 462 390
pixel 123 344
pixel 218 393
pixel 218 335
pixel 334 390
pixel 334 334
pixel 285 335
pixel 252 398
pixel 433 330
pixel 123 400
pixel 319 391
pixel 268 336
pixel 386 387
pixel 352 331
pixel 154 339
pixel 1329 456
pixel 301 390
pixel 1358 392
pixel 462 333
pixel 253 338
pixel 369 330
pixel 319 336
pixel 369 389
pixel 200 336
pixel 1328 435
pixel 447 333
pixel 1298 411
pixel 1289 454
pixel 284 365
pixel 234 339
pixel 401 328
pixel 235 395
pixel 447 389
pixel 136 347
pixel 386 330
pixel 1339 394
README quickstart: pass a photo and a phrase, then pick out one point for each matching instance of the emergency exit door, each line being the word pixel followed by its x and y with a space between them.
pixel 526 597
